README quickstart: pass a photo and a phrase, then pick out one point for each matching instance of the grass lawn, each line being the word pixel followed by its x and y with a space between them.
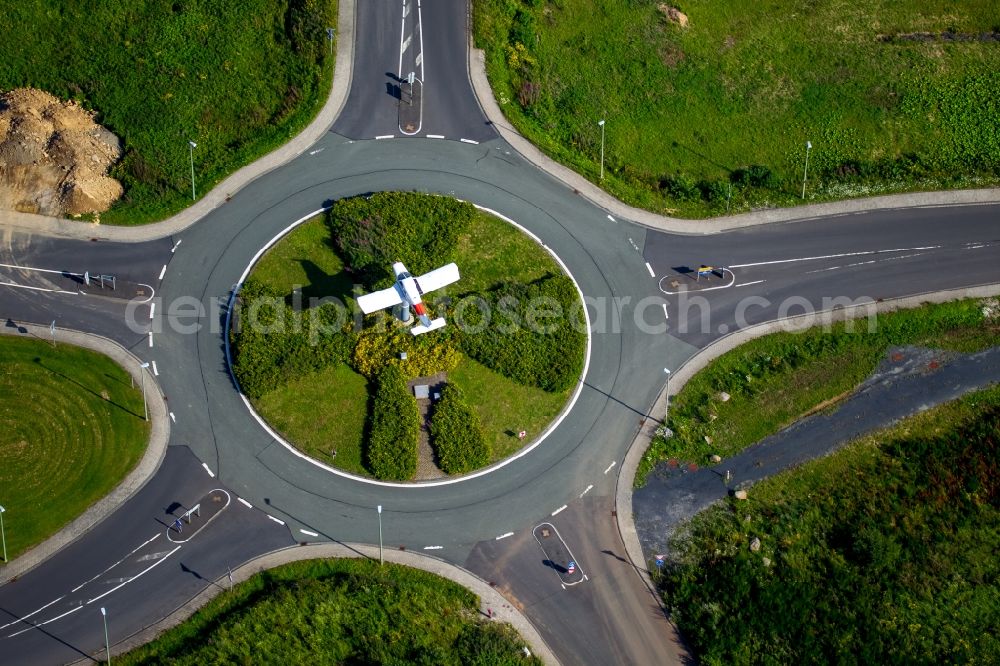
pixel 71 428
pixel 690 109
pixel 339 612
pixel 773 381
pixel 883 552
pixel 326 411
pixel 237 78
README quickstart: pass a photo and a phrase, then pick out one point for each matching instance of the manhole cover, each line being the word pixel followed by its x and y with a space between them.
pixel 410 127
pixel 675 283
pixel 545 533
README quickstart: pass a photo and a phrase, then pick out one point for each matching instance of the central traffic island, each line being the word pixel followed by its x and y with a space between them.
pixel 382 395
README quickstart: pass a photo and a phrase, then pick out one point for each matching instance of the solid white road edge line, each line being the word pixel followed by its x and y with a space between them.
pixel 205 465
pixel 280 522
pixel 560 509
pixel 505 535
pixel 245 503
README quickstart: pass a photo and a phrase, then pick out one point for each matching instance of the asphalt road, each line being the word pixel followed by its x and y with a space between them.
pixel 610 617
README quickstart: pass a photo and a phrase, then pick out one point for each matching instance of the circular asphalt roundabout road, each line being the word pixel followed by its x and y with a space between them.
pixel 484 524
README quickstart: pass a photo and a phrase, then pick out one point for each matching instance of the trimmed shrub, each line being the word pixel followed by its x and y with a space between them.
pixel 419 230
pixel 457 434
pixel 272 343
pixel 395 426
pixel 378 347
pixel 532 333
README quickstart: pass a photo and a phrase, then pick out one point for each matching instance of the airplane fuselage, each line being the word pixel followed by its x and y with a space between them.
pixel 409 292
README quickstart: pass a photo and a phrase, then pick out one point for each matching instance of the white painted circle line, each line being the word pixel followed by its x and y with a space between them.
pixel 613 463
pixel 559 510
pixel 505 535
pixel 308 533
pixel 280 522
pixel 245 503
pixel 205 465
pixel 291 449
pixel 385 136
pixel 475 143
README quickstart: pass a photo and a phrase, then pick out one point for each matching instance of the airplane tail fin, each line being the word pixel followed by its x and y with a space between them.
pixel 427 325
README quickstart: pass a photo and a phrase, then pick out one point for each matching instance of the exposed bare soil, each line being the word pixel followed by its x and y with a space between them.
pixel 54 157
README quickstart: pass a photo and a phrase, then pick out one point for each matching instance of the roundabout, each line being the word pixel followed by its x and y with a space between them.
pixel 485 524
pixel 318 414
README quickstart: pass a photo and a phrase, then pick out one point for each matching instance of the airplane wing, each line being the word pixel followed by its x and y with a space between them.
pixel 437 278
pixel 379 300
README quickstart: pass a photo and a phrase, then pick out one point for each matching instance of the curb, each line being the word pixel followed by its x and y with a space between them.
pixel 144 470
pixel 696 363
pixel 217 196
pixel 489 596
pixel 598 197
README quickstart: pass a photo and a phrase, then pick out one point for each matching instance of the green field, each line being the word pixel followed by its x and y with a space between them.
pixel 774 380
pixel 339 612
pixel 325 411
pixel 71 429
pixel 731 100
pixel 237 78
pixel 884 552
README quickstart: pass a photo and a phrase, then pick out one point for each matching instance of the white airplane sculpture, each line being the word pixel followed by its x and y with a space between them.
pixel 408 290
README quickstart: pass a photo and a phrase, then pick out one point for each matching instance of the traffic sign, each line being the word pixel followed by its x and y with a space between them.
pixel 571 567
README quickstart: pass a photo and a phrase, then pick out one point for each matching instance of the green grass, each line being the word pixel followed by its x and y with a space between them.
pixel 884 552
pixel 749 84
pixel 339 612
pixel 774 380
pixel 71 428
pixel 325 411
pixel 506 407
pixel 322 413
pixel 238 78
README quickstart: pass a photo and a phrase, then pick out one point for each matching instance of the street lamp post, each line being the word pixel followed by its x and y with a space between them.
pixel 191 146
pixel 145 411
pixel 380 534
pixel 601 123
pixel 806 169
pixel 329 38
pixel 666 395
pixel 107 643
pixel 3 535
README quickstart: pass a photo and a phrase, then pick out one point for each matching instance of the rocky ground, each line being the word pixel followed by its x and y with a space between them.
pixel 54 157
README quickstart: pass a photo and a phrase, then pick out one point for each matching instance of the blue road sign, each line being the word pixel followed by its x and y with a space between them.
pixel 571 567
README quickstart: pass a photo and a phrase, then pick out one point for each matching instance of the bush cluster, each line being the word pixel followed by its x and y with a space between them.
pixel 282 343
pixel 394 428
pixel 419 230
pixel 457 434
pixel 531 333
pixel 378 347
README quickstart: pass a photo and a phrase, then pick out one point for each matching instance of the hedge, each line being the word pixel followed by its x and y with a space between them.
pixel 395 425
pixel 274 343
pixel 457 434
pixel 371 233
pixel 530 333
